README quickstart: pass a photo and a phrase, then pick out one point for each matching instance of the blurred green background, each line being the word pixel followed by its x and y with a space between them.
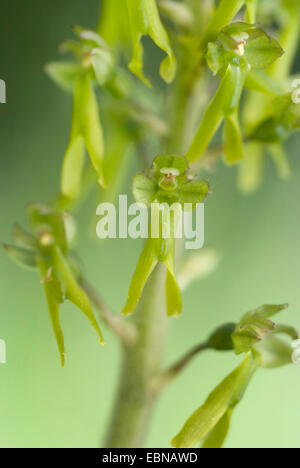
pixel 42 405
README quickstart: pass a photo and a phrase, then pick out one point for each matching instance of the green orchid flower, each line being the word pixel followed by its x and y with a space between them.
pixel 47 249
pixel 94 63
pixel 256 336
pixel 241 48
pixel 268 137
pixel 212 420
pixel 168 183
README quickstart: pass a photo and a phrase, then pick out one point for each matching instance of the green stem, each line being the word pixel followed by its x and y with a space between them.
pixel 160 382
pixel 140 364
pixel 223 15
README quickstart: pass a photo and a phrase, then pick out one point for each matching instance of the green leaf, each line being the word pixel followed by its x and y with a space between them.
pixel 225 397
pixel 72 289
pixel 53 293
pixel 145 20
pixel 216 437
pixel 64 74
pixel 23 257
pixel 146 264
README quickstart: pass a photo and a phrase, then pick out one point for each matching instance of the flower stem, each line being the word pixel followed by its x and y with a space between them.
pixel 134 404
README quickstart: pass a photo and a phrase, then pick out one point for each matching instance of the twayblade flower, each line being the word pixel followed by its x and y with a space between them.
pixel 167 182
pixel 240 48
pixel 256 336
pixel 47 249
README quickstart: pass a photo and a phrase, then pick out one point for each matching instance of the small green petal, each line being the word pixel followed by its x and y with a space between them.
pixel 173 295
pixel 73 291
pixel 86 127
pixel 225 397
pixel 23 257
pixel 274 352
pixel 102 62
pixel 225 103
pixel 64 74
pixel 144 189
pixel 216 437
pixel 54 298
pixel 24 239
pixel 146 264
pixel 91 126
pixel 173 292
pixel 211 121
pixel 145 20
pixel 254 326
pixel 215 57
pixel 233 139
pixel 72 168
pixel 165 161
pixel 193 192
pixel 262 52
